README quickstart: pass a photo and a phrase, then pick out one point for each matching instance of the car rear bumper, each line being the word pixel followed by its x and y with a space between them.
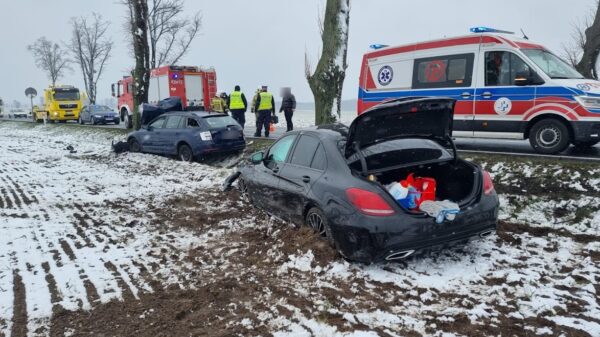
pixel 232 146
pixel 372 239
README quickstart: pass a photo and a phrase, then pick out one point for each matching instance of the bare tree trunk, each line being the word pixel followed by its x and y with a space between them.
pixel 328 79
pixel 141 73
pixel 591 48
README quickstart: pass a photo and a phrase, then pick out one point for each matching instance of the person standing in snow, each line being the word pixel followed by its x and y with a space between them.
pixel 238 105
pixel 265 106
pixel 217 104
pixel 288 106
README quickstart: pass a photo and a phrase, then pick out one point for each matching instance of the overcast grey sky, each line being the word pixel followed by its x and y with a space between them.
pixel 263 41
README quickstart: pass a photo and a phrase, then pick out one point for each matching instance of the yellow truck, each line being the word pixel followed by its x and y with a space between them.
pixel 61 103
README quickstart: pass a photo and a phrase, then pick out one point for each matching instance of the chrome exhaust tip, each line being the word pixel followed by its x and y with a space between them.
pixel 485 234
pixel 399 255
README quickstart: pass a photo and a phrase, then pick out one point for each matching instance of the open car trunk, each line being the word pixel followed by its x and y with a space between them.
pixel 457 181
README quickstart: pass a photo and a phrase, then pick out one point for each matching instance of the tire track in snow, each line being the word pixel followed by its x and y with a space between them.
pixel 19 319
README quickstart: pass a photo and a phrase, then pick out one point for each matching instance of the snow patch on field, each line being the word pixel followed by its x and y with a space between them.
pixel 62 225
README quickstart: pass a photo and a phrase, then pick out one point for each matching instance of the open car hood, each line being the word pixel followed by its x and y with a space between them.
pixel 402 118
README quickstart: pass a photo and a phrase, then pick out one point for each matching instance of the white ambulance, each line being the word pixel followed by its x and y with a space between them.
pixel 504 86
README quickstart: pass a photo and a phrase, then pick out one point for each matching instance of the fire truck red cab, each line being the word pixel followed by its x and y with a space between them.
pixel 195 86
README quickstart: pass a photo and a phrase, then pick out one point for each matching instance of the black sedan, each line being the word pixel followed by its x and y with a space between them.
pixel 334 179
pixel 188 135
pixel 98 114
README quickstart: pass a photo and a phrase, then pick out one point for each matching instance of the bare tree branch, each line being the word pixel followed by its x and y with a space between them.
pixel 170 34
pixel 91 48
pixel 50 58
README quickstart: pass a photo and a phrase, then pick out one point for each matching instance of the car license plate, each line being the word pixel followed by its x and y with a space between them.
pixel 67 111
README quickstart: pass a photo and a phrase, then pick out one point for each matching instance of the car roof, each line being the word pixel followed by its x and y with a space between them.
pixel 200 114
pixel 327 131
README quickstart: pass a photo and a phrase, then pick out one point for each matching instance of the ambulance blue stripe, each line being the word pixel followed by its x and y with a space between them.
pixel 512 93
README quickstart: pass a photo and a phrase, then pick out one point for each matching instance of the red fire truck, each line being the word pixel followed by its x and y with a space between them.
pixel 195 86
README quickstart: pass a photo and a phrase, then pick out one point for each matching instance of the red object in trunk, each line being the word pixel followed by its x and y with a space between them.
pixel 425 186
pixel 368 202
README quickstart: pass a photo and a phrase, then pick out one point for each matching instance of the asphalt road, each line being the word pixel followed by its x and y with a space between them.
pixel 465 144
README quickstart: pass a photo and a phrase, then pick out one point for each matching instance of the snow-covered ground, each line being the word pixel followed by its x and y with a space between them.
pixel 81 230
pixel 64 235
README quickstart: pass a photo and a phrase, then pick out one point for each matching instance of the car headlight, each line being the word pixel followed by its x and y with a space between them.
pixel 98 116
pixel 589 102
pixel 205 136
pixel 55 114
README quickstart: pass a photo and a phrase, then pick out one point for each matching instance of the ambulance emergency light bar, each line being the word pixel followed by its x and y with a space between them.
pixel 489 30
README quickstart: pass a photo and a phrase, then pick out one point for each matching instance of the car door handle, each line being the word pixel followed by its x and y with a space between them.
pixel 487 94
pixel 306 179
pixel 465 95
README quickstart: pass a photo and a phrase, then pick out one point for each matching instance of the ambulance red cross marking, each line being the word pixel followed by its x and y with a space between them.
pixel 435 71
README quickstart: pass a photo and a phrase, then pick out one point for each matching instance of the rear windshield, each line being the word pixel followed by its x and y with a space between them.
pixel 220 121
pixel 401 153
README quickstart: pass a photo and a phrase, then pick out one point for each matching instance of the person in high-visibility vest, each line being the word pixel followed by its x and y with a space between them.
pixel 238 105
pixel 218 104
pixel 265 105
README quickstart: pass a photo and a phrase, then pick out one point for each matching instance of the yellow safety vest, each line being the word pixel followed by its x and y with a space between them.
pixel 266 99
pixel 235 101
pixel 217 104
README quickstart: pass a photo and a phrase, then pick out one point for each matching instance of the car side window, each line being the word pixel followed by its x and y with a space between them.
pixel 173 122
pixel 503 67
pixel 158 124
pixel 319 161
pixel 279 151
pixel 305 151
pixel 192 123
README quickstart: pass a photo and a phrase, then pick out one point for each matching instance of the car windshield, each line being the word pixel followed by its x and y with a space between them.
pixel 220 121
pixel 101 108
pixel 70 95
pixel 551 64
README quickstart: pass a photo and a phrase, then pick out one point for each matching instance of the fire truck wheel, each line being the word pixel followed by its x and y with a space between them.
pixel 134 145
pixel 549 136
pixel 128 121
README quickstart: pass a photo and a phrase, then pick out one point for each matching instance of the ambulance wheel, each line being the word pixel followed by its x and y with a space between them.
pixel 549 136
pixel 585 145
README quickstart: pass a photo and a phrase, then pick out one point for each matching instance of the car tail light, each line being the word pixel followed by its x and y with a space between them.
pixel 368 202
pixel 488 184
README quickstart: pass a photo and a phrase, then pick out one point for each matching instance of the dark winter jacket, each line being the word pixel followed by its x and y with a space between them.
pixel 288 104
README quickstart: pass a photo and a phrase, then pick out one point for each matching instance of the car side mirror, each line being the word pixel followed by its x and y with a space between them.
pixel 150 128
pixel 257 158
